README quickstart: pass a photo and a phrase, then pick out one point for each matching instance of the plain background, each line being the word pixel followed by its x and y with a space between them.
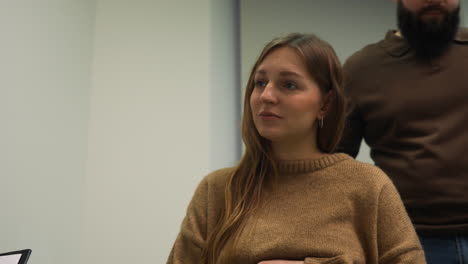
pixel 112 111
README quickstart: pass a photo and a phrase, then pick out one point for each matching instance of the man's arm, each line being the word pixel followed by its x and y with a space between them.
pixel 354 127
pixel 352 135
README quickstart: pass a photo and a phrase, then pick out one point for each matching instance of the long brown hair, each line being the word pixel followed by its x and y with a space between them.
pixel 243 191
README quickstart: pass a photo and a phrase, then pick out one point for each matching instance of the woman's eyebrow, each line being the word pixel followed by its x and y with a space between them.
pixel 290 73
pixel 261 72
pixel 282 73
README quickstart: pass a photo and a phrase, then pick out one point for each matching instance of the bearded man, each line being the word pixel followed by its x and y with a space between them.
pixel 409 101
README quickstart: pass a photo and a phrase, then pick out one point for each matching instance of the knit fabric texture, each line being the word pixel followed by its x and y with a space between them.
pixel 331 210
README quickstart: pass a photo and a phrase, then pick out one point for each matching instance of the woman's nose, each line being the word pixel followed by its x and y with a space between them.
pixel 268 94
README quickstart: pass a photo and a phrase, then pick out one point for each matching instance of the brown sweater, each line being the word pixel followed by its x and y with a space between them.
pixel 414 117
pixel 331 210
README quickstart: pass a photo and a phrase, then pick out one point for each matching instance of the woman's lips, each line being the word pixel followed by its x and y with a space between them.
pixel 265 115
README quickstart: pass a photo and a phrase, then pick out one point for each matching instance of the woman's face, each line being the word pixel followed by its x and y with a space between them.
pixel 286 102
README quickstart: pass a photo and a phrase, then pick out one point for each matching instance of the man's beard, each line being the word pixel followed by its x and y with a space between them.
pixel 432 38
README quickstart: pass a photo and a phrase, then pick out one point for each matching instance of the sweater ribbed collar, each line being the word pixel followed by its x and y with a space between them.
pixel 307 166
pixel 397 46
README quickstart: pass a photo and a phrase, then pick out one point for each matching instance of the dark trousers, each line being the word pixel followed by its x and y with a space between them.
pixel 445 249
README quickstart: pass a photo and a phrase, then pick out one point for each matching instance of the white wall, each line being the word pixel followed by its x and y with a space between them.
pixel 346 25
pixel 162 116
pixel 225 100
pixel 44 107
pixel 111 112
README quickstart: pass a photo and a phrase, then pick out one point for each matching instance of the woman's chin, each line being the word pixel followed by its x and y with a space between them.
pixel 272 135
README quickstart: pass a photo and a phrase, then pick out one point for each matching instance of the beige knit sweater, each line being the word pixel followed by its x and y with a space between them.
pixel 332 210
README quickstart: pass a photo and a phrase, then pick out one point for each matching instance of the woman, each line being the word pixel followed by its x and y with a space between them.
pixel 290 199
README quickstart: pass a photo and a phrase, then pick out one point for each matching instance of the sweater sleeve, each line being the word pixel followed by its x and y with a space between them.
pixel 191 239
pixel 397 239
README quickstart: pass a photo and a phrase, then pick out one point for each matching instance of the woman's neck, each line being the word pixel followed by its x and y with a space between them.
pixel 296 150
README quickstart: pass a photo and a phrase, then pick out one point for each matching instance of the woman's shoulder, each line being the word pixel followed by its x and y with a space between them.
pixel 364 180
pixel 361 166
pixel 213 184
pixel 360 171
pixel 219 177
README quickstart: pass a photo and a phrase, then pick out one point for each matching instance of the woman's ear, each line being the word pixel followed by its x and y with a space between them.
pixel 327 102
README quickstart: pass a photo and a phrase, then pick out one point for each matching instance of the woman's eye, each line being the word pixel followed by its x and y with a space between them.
pixel 290 86
pixel 260 83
